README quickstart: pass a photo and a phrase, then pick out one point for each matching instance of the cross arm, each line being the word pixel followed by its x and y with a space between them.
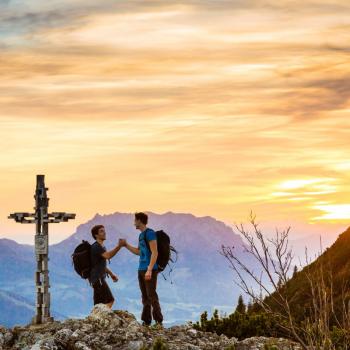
pixel 59 217
pixel 23 218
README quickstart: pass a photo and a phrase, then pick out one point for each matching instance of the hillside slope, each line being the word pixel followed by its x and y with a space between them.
pixel 335 262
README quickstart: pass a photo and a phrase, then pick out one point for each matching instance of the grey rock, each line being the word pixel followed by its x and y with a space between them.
pixel 192 332
pixel 135 345
pixel 45 344
pixel 260 343
pixel 8 336
pixel 76 335
pixel 107 347
pixel 81 346
pixel 62 336
pixel 105 329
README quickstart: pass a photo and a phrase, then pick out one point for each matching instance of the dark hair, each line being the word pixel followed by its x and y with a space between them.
pixel 94 230
pixel 142 217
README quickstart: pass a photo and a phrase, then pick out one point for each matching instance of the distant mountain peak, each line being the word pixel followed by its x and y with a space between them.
pixel 168 214
pixel 97 215
pixel 10 243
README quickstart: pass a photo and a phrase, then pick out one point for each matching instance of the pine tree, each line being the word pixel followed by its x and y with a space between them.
pixel 216 317
pixel 241 307
pixel 204 320
pixel 250 306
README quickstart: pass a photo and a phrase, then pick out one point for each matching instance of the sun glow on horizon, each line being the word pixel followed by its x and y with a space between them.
pixel 333 212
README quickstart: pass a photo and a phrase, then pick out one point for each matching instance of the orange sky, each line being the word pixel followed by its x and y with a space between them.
pixel 208 107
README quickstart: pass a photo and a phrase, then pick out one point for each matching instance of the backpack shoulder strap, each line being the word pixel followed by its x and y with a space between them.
pixel 146 240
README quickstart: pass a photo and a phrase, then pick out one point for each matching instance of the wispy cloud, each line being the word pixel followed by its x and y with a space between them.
pixel 201 106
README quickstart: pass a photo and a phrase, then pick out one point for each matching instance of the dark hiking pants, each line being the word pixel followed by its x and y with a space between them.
pixel 150 299
pixel 102 293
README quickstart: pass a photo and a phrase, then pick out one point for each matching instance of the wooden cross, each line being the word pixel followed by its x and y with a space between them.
pixel 41 218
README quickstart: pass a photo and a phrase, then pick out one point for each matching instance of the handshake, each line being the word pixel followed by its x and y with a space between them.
pixel 122 242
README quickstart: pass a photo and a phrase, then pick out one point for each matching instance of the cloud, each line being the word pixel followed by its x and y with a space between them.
pixel 313 99
pixel 333 212
pixel 212 104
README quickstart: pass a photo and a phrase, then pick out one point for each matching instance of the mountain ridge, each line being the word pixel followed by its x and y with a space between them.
pixel 200 266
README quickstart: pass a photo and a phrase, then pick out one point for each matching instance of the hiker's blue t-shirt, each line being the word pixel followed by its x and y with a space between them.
pixel 145 253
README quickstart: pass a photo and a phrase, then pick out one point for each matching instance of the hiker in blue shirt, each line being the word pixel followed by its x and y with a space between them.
pixel 148 270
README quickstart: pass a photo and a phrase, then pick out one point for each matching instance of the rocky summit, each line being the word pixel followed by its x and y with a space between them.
pixel 106 329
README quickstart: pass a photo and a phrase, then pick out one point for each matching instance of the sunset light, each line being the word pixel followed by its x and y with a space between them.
pixel 210 108
pixel 175 174
pixel 334 212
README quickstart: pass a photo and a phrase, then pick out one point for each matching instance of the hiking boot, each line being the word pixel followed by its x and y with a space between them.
pixel 144 324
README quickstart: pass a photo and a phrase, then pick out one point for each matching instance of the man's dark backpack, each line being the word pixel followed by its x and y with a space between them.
pixel 164 250
pixel 81 259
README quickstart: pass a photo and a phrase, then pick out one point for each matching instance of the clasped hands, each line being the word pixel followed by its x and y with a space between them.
pixel 122 242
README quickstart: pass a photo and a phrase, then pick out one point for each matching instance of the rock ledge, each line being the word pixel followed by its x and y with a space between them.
pixel 105 329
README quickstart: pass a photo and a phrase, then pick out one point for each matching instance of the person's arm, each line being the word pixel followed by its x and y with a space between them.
pixel 111 253
pixel 132 249
pixel 113 276
pixel 154 256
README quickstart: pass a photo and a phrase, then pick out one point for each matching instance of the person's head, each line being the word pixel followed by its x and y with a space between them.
pixel 141 220
pixel 98 232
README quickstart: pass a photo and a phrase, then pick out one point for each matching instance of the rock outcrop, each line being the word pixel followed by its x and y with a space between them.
pixel 106 329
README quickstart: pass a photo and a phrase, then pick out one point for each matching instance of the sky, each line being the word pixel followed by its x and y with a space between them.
pixel 205 107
